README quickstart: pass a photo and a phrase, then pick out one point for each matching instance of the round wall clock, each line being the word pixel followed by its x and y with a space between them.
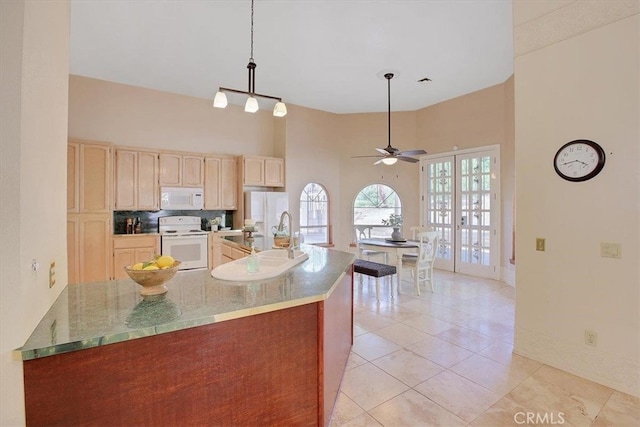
pixel 579 160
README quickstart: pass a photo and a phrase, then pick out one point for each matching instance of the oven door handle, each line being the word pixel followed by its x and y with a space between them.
pixel 184 236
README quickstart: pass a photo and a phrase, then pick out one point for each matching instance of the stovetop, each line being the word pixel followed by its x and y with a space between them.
pixel 180 225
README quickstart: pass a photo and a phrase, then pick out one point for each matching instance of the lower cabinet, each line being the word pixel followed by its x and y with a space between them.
pixel 130 249
pixel 222 251
pixel 89 247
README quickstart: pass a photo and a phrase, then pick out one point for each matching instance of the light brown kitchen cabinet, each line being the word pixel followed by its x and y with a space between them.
pixel 136 180
pixel 181 170
pixel 263 171
pixel 131 249
pixel 222 251
pixel 88 177
pixel 220 183
pixel 89 247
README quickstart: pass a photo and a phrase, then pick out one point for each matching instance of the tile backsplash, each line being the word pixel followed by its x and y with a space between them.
pixel 149 219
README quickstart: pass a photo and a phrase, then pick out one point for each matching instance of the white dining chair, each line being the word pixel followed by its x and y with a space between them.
pixel 415 229
pixel 421 266
pixel 364 232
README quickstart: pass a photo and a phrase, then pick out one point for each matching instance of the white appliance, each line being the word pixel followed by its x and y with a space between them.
pixel 181 199
pixel 182 237
pixel 265 207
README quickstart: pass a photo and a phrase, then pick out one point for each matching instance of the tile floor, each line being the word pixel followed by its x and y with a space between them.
pixel 445 359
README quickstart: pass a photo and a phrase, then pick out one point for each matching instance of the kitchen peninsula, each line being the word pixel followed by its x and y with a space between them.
pixel 209 352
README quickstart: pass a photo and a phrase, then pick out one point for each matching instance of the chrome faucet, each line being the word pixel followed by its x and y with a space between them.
pixel 281 228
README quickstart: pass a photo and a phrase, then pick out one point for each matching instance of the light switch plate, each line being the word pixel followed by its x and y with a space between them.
pixel 540 242
pixel 610 250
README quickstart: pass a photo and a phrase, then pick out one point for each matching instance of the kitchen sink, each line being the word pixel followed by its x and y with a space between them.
pixel 272 263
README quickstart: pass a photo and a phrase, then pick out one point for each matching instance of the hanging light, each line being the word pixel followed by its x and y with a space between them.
pixel 390 160
pixel 251 106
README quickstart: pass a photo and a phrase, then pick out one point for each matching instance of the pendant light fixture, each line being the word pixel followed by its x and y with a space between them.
pixel 251 106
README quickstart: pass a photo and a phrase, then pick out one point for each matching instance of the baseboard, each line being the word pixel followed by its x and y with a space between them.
pixel 610 370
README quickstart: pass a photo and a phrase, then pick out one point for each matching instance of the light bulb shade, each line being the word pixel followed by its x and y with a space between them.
pixel 280 110
pixel 252 105
pixel 389 160
pixel 220 101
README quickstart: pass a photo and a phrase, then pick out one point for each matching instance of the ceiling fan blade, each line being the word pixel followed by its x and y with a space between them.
pixel 356 157
pixel 412 153
pixel 382 151
pixel 407 159
pixel 378 162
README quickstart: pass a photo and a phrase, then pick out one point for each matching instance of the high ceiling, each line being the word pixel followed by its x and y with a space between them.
pixel 328 55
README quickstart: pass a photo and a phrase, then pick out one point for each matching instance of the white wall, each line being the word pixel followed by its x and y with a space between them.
pixel 34 87
pixel 580 79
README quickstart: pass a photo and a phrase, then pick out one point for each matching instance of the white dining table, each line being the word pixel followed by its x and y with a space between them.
pixel 397 248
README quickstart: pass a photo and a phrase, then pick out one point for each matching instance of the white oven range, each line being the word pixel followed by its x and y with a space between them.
pixel 182 237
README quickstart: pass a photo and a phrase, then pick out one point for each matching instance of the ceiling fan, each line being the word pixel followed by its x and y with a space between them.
pixel 391 155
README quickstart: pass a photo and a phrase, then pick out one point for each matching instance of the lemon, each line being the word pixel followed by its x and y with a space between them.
pixel 165 261
pixel 137 266
pixel 151 267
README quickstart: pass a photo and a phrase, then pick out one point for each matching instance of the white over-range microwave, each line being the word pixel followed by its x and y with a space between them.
pixel 181 199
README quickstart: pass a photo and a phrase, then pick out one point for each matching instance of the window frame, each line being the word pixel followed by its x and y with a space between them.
pixel 305 202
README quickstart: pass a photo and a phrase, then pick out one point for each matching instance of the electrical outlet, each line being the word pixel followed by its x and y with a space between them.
pixel 610 250
pixel 590 338
pixel 52 274
pixel 540 241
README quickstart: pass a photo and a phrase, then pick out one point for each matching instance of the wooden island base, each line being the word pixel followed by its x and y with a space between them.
pixel 273 369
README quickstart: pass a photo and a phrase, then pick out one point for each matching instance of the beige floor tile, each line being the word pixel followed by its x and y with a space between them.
pixel 413 409
pixel 505 413
pixel 364 420
pixel 368 386
pixel 548 400
pixel 396 312
pixel 573 385
pixel 494 328
pixel 428 324
pixel 372 346
pixel 621 410
pixel 408 367
pixel 370 321
pixel 344 410
pixel 466 338
pixel 354 360
pixel 401 334
pixel 491 374
pixel 501 352
pixel 459 395
pixel 440 352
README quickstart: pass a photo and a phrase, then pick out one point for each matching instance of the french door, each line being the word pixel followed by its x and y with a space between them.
pixel 461 200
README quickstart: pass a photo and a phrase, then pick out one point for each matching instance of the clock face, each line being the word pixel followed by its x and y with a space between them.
pixel 579 160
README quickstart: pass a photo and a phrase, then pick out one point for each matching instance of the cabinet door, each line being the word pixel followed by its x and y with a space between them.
pixel 125 179
pixel 212 170
pixel 274 172
pixel 95 178
pixel 171 170
pixel 94 248
pixel 147 184
pixel 121 259
pixel 229 184
pixel 73 178
pixel 193 171
pixel 253 171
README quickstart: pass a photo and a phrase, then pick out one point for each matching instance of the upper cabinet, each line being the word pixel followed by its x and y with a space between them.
pixel 263 171
pixel 220 183
pixel 136 180
pixel 88 177
pixel 181 170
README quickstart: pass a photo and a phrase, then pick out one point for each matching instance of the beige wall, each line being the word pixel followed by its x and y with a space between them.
pixel 34 87
pixel 573 86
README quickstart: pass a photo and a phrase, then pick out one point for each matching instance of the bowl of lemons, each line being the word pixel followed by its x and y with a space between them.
pixel 153 274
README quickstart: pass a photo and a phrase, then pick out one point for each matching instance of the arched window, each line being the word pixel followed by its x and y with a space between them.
pixel 373 204
pixel 314 214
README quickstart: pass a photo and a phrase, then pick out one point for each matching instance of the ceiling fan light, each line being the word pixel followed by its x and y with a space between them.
pixel 389 160
pixel 252 105
pixel 220 100
pixel 280 110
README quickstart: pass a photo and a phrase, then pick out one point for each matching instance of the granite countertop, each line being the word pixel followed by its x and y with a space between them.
pixel 100 313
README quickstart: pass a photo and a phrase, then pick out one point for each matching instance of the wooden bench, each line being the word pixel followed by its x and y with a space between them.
pixel 375 269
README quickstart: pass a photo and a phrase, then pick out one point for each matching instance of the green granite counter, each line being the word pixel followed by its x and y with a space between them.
pixel 95 314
